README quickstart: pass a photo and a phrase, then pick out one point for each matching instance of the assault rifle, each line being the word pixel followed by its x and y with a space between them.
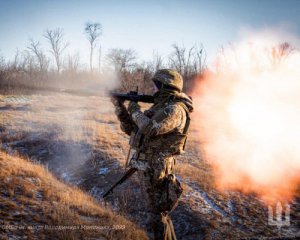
pixel 134 96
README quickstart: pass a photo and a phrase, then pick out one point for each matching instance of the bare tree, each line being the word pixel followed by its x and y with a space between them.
pixel 27 64
pixel 100 59
pixel 188 62
pixel 143 73
pixel 93 32
pixel 157 61
pixel 2 62
pixel 179 59
pixel 57 45
pixel 280 52
pixel 122 59
pixel 73 62
pixel 16 60
pixel 43 62
pixel 199 61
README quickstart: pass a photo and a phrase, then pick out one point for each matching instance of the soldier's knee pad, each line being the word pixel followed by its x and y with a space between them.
pixel 171 191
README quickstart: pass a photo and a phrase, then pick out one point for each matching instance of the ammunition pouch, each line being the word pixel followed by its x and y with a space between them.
pixel 170 192
pixel 174 143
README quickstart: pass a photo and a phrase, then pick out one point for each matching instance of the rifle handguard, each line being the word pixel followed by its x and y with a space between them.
pixel 133 96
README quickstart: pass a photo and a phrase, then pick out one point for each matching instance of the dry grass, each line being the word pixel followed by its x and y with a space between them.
pixel 71 124
pixel 30 195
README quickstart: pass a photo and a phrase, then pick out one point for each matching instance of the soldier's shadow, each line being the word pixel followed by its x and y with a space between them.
pixel 188 224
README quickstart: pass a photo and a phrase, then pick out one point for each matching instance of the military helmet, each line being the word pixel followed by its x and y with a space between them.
pixel 169 77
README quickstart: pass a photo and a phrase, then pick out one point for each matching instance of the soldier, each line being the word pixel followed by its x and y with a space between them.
pixel 157 134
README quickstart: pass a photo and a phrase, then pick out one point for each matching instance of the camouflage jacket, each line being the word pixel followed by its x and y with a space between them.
pixel 158 130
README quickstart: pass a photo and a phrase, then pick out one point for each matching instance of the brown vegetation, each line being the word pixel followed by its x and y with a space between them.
pixel 31 197
pixel 81 136
pixel 34 69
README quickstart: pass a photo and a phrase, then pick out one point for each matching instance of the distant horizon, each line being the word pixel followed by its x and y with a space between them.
pixel 146 27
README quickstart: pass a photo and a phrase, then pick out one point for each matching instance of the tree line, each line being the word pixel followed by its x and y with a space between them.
pixel 31 68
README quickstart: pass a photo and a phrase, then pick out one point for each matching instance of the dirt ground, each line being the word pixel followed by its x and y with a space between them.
pixel 79 140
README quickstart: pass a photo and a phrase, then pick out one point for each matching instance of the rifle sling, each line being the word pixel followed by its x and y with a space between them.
pixel 123 179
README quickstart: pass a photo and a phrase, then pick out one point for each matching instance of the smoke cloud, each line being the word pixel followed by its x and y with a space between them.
pixel 248 114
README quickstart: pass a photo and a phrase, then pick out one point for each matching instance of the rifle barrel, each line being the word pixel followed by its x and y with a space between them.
pixel 126 176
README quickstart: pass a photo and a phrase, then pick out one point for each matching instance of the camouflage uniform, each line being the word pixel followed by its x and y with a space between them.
pixel 158 134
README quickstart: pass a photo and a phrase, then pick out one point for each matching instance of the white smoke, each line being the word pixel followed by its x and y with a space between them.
pixel 248 107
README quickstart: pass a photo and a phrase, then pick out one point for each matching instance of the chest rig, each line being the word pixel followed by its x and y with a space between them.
pixel 172 143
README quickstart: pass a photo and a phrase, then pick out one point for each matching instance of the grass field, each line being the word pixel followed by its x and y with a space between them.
pixel 78 140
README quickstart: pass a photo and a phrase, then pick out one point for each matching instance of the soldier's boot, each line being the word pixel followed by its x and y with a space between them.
pixel 162 227
pixel 156 226
pixel 169 232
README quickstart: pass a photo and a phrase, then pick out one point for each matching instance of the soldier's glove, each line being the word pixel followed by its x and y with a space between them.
pixel 133 107
pixel 120 109
pixel 149 113
pixel 117 102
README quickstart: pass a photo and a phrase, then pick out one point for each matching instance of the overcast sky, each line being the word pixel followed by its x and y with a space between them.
pixel 142 25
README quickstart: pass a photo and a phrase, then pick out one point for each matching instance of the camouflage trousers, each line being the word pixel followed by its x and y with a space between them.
pixel 162 191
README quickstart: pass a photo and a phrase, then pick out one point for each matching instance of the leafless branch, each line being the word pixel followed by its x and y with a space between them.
pixel 92 32
pixel 57 45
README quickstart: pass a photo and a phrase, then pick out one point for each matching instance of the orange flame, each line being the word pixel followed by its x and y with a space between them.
pixel 248 115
